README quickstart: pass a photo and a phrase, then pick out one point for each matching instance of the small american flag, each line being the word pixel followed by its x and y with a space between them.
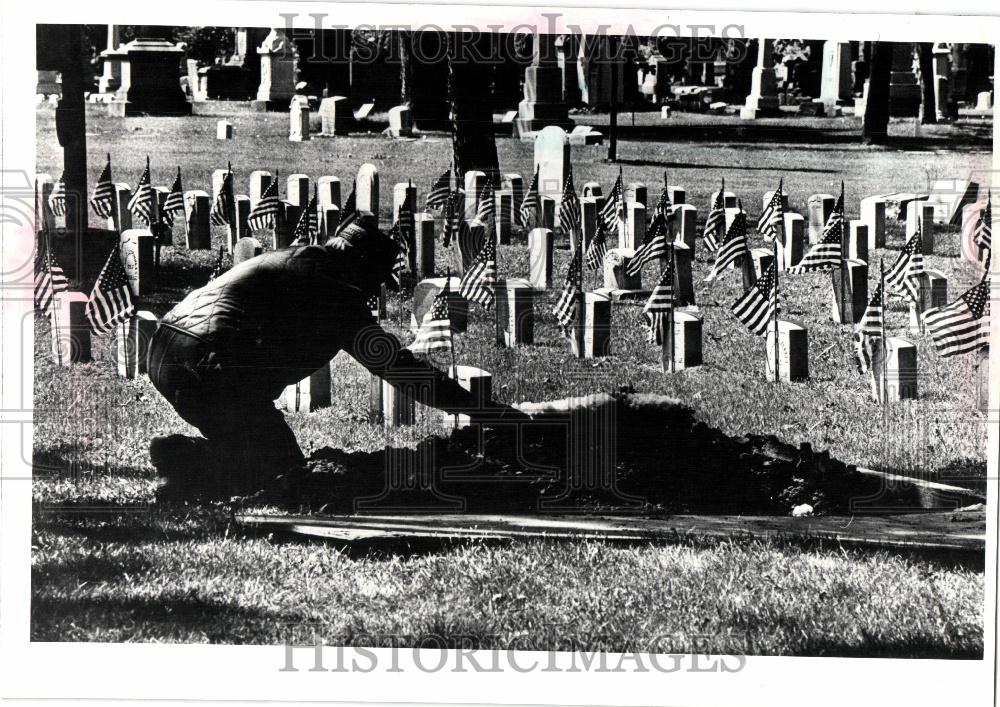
pixel 174 203
pixel 307 229
pixel 219 266
pixel 454 216
pixel 111 299
pixel 569 207
pixel 265 213
pixel 716 219
pixel 57 199
pixel 402 262
pixel 222 209
pixel 565 307
pixel 143 201
pixel 654 246
pixel 904 275
pixel 870 327
pixel 103 198
pixel 660 304
pixel 664 206
pixel 437 197
pixel 983 234
pixel 963 325
pixel 531 204
pixel 49 278
pixel 759 305
pixel 828 253
pixel 487 203
pixel 597 249
pixel 611 215
pixel 435 329
pixel 350 212
pixel 407 224
pixel 773 215
pixel 481 277
pixel 733 248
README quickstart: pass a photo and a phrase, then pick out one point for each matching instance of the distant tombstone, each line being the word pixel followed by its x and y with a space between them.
pixel 335 116
pixel 133 343
pixel 136 250
pixel 309 394
pixel 299 189
pixel 857 241
pixel 70 328
pixel 592 189
pixel 366 189
pixel 515 184
pixel 424 223
pixel 635 225
pixel 505 215
pixel 223 130
pixel 873 216
pixel 198 232
pixel 678 194
pixel 327 191
pixel 298 120
pixel 364 111
pixel 685 348
pixel 637 191
pixel 400 121
pixel 683 277
pixel 423 300
pixel 552 162
pixel 540 254
pixel 245 249
pixel 616 275
pixel 479 383
pixel 475 182
pixel 277 71
pixel 470 241
pixel 791 247
pixel 793 352
pixel 515 317
pixel 984 101
pixel 242 226
pixel 820 208
pixel 850 291
pixel 893 372
pixel 260 180
pixel 686 222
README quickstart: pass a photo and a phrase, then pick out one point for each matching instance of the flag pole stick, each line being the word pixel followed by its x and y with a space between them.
pixel 624 204
pixel 451 329
pixel 885 341
pixel 47 264
pixel 777 333
pixel 232 209
pixel 843 258
pixel 154 222
pixel 670 312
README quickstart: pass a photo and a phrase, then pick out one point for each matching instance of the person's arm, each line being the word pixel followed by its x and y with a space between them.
pixel 381 353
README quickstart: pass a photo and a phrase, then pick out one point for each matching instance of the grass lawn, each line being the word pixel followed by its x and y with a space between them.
pixel 189 578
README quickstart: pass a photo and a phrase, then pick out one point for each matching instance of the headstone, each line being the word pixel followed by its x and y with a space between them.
pixel 136 250
pixel 424 233
pixel 366 189
pixel 836 74
pixel 111 79
pixel 637 191
pixel 543 103
pixel 515 315
pixel 70 328
pixel 309 394
pixel 218 177
pixel 329 221
pixel 729 200
pixel 873 216
pixel 298 120
pixel 335 116
pixel 398 409
pixel 327 191
pixel 299 190
pixel 857 241
pixel 596 325
pixel 731 215
pixel 678 195
pixel 470 241
pixel 592 189
pixel 260 180
pixel 683 277
pixel 849 291
pixel 820 208
pixel 121 220
pixel 552 162
pixel 984 101
pixel 616 275
pixel 768 195
pixel 198 231
pixel 548 212
pixel 686 222
pixel 400 190
pixel 971 250
pixel 400 121
pixel 133 343
pixel 242 228
pixel 763 98
pixel 423 300
pixel 762 258
pixel 167 233
pixel 894 372
pixel 925 218
pixel 540 254
pixel 223 130
pixel 285 222
pixel 364 111
pixel 45 186
pixel 949 197
pixel 515 184
pixel 150 80
pixel 685 347
pixel 505 215
pixel 278 58
pixel 793 352
pixel 635 226
pixel 478 383
pixel 475 182
pixel 588 221
pixel 245 249
pixel 933 289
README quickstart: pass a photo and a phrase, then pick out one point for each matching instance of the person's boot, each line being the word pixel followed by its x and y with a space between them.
pixel 185 466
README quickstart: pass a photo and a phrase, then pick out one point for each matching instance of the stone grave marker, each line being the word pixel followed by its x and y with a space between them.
pixel 423 300
pixel 596 326
pixel 616 277
pixel 309 394
pixel 476 381
pixel 329 221
pixel 791 247
pixel 424 233
pixel 167 231
pixel 400 121
pixel 849 289
pixel 820 208
pixel 637 191
pixel 552 162
pixel 515 184
pixel 366 189
pixel 505 215
pixel 515 315
pixel 873 216
pixel 223 130
pixel 893 374
pixel 70 328
pixel 242 228
pixel 588 221
pixel 299 190
pixel 245 249
pixel 335 116
pixel 133 343
pixel 198 231
pixel 260 180
pixel 470 242
pixel 686 344
pixel 475 182
pixel 364 111
pixel 136 249
pixel 541 242
pixel 793 352
pixel 857 241
pixel 635 225
pixel 686 222
pixel 678 194
pixel 327 192
pixel 121 219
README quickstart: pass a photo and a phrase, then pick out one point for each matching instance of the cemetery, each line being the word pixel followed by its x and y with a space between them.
pixel 725 431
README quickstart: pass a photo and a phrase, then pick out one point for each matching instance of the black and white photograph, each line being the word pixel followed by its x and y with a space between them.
pixel 570 343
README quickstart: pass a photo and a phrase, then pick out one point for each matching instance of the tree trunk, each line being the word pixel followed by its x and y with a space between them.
pixel 405 67
pixel 71 130
pixel 875 130
pixel 928 109
pixel 471 93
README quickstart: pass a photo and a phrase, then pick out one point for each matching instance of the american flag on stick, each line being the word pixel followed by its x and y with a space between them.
pixel 773 215
pixel 110 301
pixel 871 327
pixel 437 197
pixel 569 207
pixel 143 201
pixel 964 325
pixel 983 234
pixel 103 198
pixel 660 304
pixel 733 248
pixel 307 229
pixel 532 202
pixel 565 307
pixel 829 252
pixel 487 203
pixel 654 246
pixel 454 216
pixel 611 215
pixel 480 279
pixel 402 262
pixel 57 199
pixel 716 219
pixel 664 206
pixel 265 213
pixel 350 212
pixel 904 275
pixel 49 278
pixel 759 305
pixel 222 208
pixel 435 330
pixel 597 249
pixel 174 203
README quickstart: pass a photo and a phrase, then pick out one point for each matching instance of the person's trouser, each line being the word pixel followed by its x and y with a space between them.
pixel 248 437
